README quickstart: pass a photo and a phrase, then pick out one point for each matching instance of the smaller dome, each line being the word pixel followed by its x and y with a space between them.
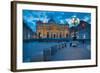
pixel 39 22
pixel 51 21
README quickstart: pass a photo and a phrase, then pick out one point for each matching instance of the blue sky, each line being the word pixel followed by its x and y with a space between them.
pixel 32 16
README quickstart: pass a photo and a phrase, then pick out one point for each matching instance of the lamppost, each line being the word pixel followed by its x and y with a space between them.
pixel 84 35
pixel 74 22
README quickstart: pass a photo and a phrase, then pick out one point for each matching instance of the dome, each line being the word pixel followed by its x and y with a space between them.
pixel 39 22
pixel 51 21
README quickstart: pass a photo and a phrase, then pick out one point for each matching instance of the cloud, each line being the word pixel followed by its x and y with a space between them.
pixel 69 22
pixel 28 18
pixel 74 16
pixel 32 25
pixel 62 22
pixel 87 19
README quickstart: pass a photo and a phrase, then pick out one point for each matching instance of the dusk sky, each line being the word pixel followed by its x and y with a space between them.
pixel 32 16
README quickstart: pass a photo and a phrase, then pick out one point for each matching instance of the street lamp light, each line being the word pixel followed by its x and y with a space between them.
pixel 75 21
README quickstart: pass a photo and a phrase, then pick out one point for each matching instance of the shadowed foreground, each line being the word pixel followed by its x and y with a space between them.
pixel 54 51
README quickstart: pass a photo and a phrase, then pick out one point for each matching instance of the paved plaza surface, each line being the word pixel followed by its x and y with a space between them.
pixel 34 51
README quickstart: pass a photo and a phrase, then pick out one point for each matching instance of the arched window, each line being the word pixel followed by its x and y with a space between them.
pixel 39 34
pixel 47 34
pixel 66 35
pixel 60 35
pixel 54 35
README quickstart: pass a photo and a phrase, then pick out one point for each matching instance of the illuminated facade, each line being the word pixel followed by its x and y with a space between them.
pixel 52 30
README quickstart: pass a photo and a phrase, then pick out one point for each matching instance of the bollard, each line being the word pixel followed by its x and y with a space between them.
pixel 46 54
pixel 60 46
pixel 65 44
pixel 53 50
pixel 56 48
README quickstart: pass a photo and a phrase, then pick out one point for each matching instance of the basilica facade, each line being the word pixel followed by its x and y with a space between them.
pixel 52 30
